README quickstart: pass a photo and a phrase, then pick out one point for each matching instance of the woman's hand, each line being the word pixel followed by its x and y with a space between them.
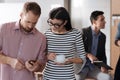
pixel 64 63
pixel 70 60
pixel 75 60
pixel 51 56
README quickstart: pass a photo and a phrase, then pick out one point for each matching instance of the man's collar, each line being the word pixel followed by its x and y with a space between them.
pixel 17 27
pixel 93 31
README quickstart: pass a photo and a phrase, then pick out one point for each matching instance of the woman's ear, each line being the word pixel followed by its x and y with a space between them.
pixel 65 22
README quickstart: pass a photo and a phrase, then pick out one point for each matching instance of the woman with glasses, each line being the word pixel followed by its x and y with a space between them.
pixel 65 47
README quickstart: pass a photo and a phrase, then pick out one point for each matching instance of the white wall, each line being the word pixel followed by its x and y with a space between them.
pixel 80 13
pixel 13 7
pixel 10 12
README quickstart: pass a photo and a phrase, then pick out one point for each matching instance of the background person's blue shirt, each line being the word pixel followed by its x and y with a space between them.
pixel 95 38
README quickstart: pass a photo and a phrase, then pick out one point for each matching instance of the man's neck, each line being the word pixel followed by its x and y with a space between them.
pixel 95 29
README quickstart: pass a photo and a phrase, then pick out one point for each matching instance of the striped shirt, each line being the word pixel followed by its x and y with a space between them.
pixel 67 44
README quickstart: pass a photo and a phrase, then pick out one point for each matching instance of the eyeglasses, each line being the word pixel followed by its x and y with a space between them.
pixel 55 25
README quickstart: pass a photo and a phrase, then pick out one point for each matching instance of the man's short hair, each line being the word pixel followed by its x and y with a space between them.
pixel 32 6
pixel 95 14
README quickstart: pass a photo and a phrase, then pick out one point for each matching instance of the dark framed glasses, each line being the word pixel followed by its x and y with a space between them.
pixel 55 25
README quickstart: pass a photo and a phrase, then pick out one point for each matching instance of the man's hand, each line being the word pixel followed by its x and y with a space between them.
pixel 104 70
pixel 91 57
pixel 34 66
pixel 15 63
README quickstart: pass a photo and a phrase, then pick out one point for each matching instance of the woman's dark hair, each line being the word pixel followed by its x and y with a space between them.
pixel 95 14
pixel 62 14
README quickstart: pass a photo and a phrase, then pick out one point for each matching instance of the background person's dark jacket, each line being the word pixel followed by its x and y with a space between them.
pixel 87 39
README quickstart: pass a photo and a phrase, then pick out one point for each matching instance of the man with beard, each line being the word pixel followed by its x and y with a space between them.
pixel 22 46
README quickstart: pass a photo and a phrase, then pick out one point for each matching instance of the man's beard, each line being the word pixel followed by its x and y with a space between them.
pixel 27 30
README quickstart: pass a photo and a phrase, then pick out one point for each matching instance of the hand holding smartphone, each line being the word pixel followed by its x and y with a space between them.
pixel 102 64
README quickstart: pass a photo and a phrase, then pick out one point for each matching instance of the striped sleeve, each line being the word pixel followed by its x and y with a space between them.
pixel 79 45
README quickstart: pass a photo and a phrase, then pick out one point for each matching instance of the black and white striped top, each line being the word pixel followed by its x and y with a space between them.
pixel 67 44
